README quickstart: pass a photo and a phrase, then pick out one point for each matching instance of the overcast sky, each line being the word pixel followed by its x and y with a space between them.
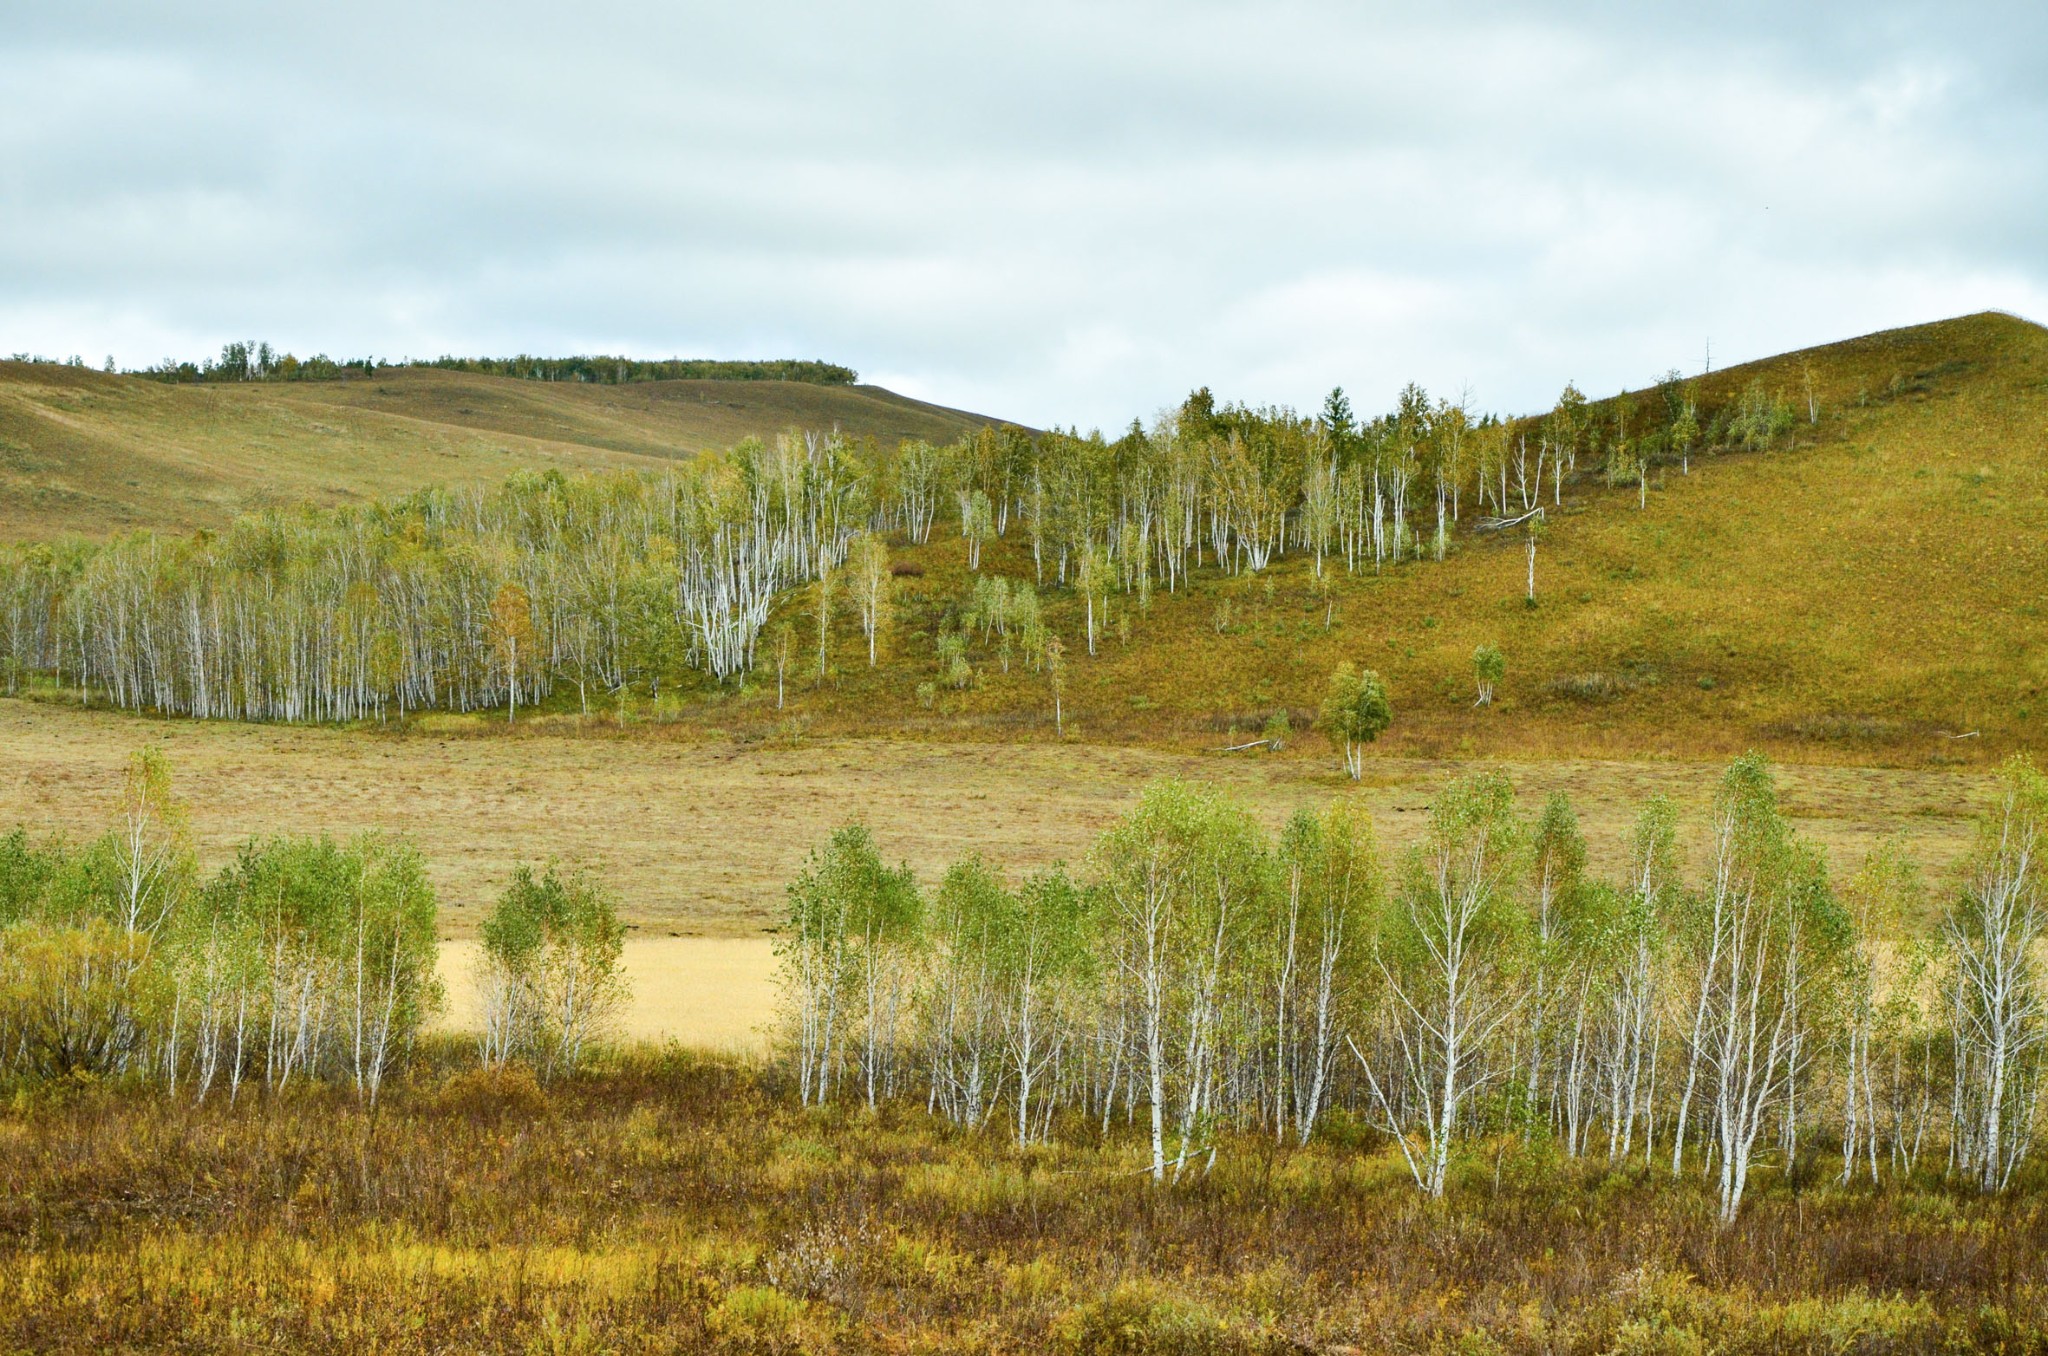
pixel 1058 214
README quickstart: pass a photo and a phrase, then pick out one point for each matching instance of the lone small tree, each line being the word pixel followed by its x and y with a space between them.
pixel 152 854
pixel 552 978
pixel 1355 712
pixel 1488 668
pixel 1685 432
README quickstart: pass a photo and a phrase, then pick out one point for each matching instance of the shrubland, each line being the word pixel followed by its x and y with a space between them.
pixel 667 1201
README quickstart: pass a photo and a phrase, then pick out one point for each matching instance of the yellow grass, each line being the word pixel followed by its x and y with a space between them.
pixel 81 451
pixel 700 835
pixel 710 993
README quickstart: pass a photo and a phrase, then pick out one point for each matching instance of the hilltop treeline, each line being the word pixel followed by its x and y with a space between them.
pixel 605 370
pixel 1198 976
pixel 480 598
pixel 258 361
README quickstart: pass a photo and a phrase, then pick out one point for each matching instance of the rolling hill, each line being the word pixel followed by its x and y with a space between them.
pixel 1869 590
pixel 87 452
pixel 1866 589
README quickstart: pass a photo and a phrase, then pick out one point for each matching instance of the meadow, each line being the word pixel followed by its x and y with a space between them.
pixel 700 832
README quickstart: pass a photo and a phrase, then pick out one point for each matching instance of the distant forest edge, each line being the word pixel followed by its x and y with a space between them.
pixel 259 361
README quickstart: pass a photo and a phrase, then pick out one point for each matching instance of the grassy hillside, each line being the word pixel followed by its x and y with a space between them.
pixel 82 451
pixel 1869 592
pixel 1866 591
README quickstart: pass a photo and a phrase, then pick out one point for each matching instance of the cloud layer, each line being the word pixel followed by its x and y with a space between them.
pixel 1057 213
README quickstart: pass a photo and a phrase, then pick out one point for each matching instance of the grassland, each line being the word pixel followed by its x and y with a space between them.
pixel 86 452
pixel 671 1202
pixel 700 834
pixel 1862 604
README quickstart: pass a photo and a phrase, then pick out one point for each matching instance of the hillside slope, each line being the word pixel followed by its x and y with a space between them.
pixel 1870 592
pixel 1867 589
pixel 82 451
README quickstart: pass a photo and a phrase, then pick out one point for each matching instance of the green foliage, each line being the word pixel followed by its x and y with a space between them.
pixel 1459 879
pixel 76 1000
pixel 1489 667
pixel 553 980
pixel 1355 712
pixel 1760 417
pixel 254 361
pixel 850 924
pixel 302 957
pixel 26 872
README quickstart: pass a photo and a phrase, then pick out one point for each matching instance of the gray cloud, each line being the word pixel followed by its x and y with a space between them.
pixel 1060 213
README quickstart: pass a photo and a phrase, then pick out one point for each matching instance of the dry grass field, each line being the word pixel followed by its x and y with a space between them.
pixel 86 452
pixel 708 993
pixel 701 834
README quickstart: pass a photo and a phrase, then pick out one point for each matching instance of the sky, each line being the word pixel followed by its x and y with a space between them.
pixel 1058 214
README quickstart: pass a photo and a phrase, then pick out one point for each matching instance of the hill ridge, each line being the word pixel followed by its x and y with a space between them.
pixel 91 452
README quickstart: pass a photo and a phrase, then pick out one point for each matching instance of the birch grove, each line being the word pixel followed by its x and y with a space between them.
pixel 300 959
pixel 479 598
pixel 1197 980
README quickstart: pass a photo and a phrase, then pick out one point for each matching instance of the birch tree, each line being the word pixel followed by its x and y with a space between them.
pixel 1755 946
pixel 973 922
pixel 1355 712
pixel 867 562
pixel 1177 875
pixel 1488 668
pixel 1994 931
pixel 151 850
pixel 1447 957
pixel 1327 904
pixel 1880 975
pixel 552 982
pixel 1047 971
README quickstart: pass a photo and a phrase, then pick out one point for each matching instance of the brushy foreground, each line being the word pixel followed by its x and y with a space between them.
pixel 670 1201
